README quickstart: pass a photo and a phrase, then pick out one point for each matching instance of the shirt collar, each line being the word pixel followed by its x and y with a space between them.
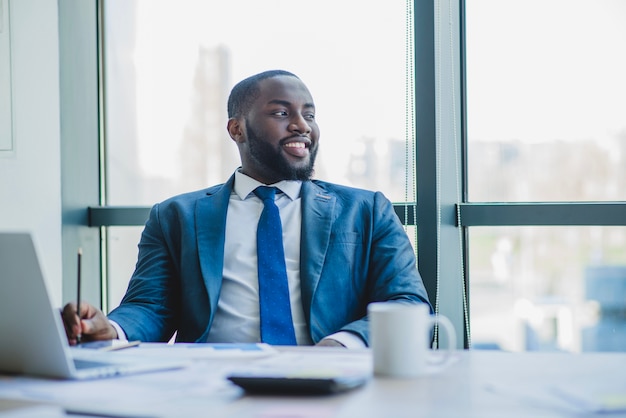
pixel 245 185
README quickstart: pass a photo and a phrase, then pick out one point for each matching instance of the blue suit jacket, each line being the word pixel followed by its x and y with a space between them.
pixel 354 251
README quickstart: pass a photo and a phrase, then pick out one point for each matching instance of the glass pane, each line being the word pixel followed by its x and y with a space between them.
pixel 170 67
pixel 121 258
pixel 548 288
pixel 545 100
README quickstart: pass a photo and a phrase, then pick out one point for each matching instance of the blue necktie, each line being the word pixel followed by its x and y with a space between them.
pixel 276 322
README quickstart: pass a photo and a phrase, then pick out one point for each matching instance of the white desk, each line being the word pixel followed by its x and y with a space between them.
pixel 479 384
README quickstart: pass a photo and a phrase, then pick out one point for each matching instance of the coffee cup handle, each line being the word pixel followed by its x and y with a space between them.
pixel 446 324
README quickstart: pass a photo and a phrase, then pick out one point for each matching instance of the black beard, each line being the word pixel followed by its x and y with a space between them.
pixel 274 163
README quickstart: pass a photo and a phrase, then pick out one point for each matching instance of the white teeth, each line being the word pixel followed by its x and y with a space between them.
pixel 295 145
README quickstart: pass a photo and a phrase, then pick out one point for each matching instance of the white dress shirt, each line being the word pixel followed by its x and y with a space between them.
pixel 237 317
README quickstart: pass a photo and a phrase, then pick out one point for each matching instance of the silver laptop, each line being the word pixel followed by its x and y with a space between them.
pixel 33 340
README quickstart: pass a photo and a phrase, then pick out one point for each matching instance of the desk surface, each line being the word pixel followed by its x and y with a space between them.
pixel 478 384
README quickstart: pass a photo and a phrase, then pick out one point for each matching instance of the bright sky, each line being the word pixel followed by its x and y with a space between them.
pixel 546 69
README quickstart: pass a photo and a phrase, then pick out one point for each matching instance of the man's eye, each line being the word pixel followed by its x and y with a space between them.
pixel 279 113
pixel 309 116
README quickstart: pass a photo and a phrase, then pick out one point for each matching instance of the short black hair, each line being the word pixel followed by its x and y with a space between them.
pixel 246 91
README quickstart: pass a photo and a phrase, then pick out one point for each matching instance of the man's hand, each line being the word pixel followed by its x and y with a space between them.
pixel 91 326
pixel 329 342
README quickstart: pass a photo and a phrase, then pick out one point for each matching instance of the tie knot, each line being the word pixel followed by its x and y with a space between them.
pixel 265 192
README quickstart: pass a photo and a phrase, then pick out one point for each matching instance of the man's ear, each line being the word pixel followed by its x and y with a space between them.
pixel 235 130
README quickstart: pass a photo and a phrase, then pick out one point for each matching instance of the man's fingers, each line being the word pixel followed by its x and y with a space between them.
pixel 87 326
pixel 70 322
pixel 97 327
pixel 91 321
pixel 92 324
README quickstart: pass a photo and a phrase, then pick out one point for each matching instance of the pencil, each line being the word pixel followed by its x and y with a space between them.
pixel 80 256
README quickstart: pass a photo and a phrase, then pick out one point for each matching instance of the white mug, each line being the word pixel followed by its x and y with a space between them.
pixel 400 336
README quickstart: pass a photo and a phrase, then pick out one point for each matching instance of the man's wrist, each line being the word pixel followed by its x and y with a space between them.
pixel 347 339
pixel 118 331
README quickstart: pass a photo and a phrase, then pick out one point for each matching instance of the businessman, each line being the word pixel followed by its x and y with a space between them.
pixel 199 275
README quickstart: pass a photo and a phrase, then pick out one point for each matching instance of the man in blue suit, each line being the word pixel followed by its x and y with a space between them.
pixel 196 274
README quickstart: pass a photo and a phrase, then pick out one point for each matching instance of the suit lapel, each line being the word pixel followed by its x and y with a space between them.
pixel 317 215
pixel 211 231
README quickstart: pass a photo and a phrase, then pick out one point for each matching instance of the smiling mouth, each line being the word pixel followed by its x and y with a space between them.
pixel 298 149
pixel 295 145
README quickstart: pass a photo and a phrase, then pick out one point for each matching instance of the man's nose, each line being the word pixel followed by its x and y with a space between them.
pixel 300 125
